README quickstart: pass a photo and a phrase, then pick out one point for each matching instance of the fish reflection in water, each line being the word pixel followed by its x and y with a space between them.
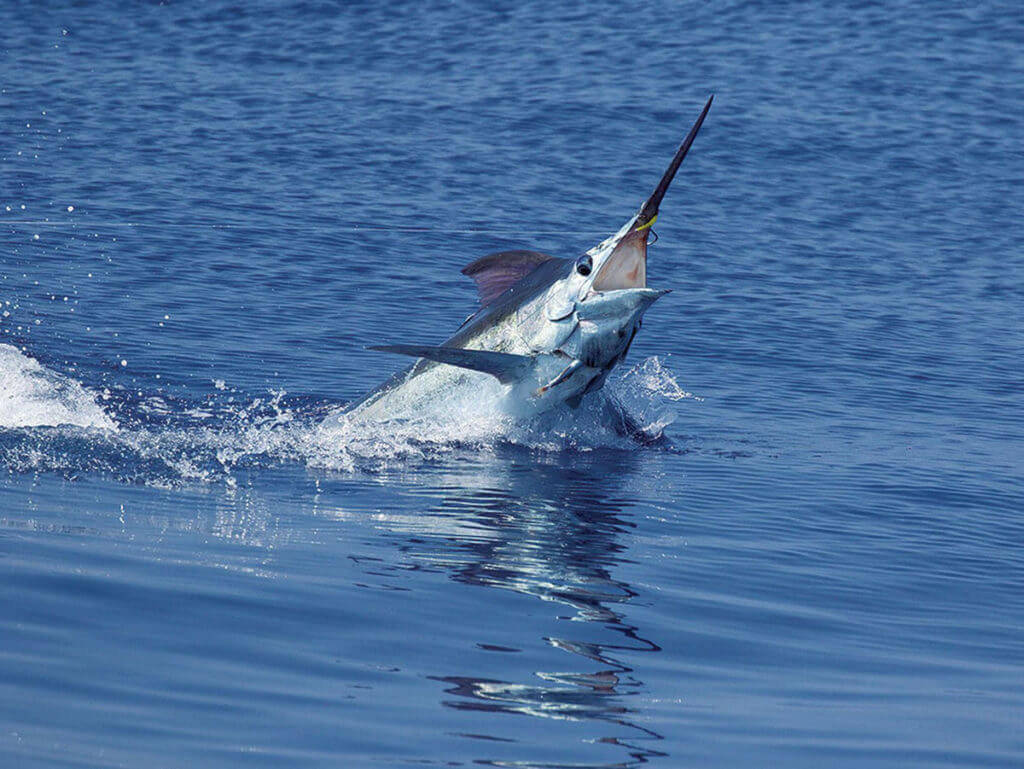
pixel 551 531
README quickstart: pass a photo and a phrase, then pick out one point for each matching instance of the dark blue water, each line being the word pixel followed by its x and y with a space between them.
pixel 208 211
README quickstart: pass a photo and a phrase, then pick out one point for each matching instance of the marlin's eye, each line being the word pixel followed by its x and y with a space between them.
pixel 584 265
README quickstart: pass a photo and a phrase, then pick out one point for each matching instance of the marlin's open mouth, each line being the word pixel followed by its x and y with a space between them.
pixel 626 266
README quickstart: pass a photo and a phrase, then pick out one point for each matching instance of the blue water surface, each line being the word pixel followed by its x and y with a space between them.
pixel 209 210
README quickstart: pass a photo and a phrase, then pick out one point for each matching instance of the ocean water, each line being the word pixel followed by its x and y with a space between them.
pixel 209 211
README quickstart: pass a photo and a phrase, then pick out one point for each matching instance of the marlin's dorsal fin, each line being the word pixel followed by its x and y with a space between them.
pixel 505 367
pixel 496 273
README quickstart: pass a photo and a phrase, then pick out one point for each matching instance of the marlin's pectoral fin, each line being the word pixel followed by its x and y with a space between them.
pixel 505 367
pixel 567 372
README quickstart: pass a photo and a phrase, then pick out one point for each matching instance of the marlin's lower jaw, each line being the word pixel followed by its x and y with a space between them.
pixel 620 307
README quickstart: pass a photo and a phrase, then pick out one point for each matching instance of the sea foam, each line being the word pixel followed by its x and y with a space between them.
pixel 42 414
pixel 32 395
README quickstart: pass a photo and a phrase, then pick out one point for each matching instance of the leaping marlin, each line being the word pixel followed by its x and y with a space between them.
pixel 548 330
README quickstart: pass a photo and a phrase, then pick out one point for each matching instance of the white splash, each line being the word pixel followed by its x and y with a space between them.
pixel 33 396
pixel 220 442
pixel 646 391
pixel 655 378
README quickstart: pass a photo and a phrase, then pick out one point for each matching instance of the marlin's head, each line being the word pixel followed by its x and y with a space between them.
pixel 608 284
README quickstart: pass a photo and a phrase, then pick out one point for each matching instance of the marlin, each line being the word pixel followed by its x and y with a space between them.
pixel 548 330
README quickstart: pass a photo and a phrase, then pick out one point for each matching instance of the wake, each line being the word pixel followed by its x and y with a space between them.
pixel 52 423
